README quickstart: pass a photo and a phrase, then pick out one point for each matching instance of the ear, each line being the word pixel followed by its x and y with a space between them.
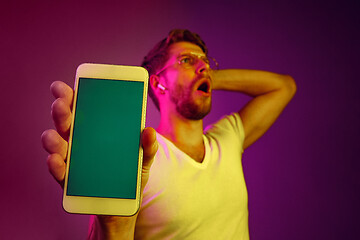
pixel 154 84
pixel 154 81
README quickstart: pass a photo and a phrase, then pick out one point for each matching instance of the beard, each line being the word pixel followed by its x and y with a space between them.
pixel 186 106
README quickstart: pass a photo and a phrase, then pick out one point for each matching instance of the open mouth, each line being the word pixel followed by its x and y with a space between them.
pixel 204 86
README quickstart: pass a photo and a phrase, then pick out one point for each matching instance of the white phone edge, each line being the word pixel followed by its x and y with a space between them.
pixel 106 206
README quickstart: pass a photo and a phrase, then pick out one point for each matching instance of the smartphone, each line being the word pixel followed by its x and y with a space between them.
pixel 104 159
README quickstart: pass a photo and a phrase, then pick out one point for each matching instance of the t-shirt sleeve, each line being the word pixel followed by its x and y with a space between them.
pixel 229 125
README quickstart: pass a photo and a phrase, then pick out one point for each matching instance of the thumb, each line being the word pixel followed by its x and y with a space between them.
pixel 150 147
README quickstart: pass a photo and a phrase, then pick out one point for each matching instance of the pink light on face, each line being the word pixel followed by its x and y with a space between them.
pixel 187 79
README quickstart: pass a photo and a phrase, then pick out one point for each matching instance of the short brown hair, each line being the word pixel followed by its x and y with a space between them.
pixel 157 56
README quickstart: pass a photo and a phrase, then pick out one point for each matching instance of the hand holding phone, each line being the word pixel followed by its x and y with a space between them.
pixel 55 142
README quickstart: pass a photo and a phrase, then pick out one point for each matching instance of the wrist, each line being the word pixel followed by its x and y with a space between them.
pixel 214 79
pixel 112 227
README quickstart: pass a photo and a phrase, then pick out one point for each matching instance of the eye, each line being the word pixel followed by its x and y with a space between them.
pixel 186 60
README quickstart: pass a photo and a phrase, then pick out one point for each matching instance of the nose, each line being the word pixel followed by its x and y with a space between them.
pixel 202 66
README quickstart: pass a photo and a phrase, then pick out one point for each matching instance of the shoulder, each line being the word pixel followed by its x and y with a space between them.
pixel 230 122
pixel 229 125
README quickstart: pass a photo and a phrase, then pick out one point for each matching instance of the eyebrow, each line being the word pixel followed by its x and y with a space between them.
pixel 192 53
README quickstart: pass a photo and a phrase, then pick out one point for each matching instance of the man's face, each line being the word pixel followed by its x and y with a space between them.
pixel 188 81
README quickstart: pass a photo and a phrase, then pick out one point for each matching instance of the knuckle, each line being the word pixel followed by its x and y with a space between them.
pixel 48 134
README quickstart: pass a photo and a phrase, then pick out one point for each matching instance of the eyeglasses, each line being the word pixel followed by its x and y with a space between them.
pixel 189 60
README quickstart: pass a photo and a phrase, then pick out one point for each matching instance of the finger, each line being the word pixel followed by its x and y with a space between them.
pixel 61 114
pixel 62 90
pixel 54 143
pixel 150 146
pixel 57 167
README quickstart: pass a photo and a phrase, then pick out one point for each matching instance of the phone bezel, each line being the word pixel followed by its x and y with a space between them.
pixel 97 205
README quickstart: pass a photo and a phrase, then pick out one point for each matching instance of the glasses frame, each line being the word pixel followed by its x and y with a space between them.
pixel 205 59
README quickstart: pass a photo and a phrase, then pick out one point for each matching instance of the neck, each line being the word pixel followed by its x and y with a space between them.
pixel 185 134
pixel 181 131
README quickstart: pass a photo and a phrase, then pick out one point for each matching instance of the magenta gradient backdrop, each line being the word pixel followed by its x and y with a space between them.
pixel 302 176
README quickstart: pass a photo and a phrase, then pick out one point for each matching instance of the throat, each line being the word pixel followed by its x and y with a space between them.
pixel 185 134
pixel 193 145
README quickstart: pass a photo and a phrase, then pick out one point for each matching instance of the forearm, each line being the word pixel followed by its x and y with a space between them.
pixel 271 93
pixel 252 82
pixel 111 227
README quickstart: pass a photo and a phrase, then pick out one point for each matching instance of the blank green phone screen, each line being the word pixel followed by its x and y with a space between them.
pixel 106 139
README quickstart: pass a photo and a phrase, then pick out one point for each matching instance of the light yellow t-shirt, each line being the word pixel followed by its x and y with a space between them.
pixel 185 199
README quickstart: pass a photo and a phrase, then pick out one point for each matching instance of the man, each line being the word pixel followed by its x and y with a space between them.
pixel 195 188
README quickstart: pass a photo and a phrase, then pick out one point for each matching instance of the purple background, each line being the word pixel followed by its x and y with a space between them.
pixel 302 176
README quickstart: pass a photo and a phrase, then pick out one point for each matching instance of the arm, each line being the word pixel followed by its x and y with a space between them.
pixel 111 227
pixel 271 93
pixel 55 143
pixel 114 227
